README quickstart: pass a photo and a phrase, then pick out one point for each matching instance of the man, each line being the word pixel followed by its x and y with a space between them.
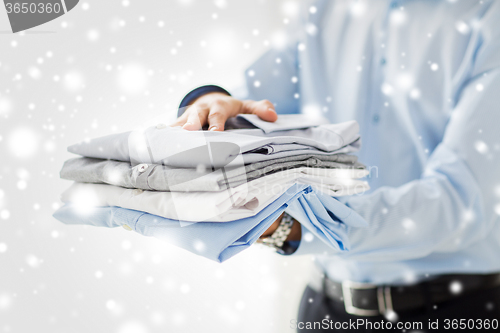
pixel 422 78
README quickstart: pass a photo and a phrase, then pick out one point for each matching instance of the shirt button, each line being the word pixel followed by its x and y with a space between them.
pixel 376 118
pixel 161 126
pixel 137 191
pixel 142 167
pixel 126 227
pixel 382 61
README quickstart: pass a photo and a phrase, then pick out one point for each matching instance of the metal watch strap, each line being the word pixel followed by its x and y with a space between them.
pixel 281 233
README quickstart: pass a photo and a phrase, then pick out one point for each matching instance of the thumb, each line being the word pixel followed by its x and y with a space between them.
pixel 263 109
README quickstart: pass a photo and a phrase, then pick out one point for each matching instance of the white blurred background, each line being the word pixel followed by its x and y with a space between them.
pixel 105 67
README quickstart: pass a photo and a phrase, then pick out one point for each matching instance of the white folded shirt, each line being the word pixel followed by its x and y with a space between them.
pixel 235 203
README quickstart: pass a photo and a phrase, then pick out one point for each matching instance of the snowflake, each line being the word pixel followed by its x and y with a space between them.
pixel 481 147
pixel 5 301
pixel 33 261
pixel 415 93
pixel 93 35
pixel 221 3
pixel 311 29
pixel 126 245
pixel 462 27
pixel 391 316
pixel 185 288
pixel 408 224
pixel 398 17
pixel 308 237
pixel 73 81
pixel 133 78
pixel 404 81
pixel 357 8
pixel 23 142
pixel 497 208
pixel 34 73
pixel 199 246
pixel 5 106
pixel 456 287
pixel 387 89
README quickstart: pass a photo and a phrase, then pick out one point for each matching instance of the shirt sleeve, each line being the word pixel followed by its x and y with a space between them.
pixel 456 201
pixel 273 76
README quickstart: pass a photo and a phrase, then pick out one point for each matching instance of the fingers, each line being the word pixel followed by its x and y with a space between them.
pixel 181 120
pixel 196 117
pixel 263 109
pixel 215 112
pixel 220 111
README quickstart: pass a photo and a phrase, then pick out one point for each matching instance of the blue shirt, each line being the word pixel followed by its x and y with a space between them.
pixel 422 78
pixel 220 241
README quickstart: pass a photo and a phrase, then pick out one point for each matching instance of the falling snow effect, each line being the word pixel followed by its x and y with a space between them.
pixel 456 287
pixel 105 69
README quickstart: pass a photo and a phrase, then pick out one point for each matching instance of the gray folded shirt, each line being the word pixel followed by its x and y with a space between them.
pixel 189 149
pixel 165 178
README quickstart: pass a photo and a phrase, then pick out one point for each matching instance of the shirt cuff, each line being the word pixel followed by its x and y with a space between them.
pixel 197 92
pixel 310 244
pixel 289 247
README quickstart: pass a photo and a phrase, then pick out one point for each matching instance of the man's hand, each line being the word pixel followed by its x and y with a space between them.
pixel 215 108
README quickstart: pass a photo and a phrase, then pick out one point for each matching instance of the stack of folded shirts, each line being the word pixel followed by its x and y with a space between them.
pixel 180 185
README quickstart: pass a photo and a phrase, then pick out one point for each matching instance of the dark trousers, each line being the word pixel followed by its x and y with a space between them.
pixel 478 311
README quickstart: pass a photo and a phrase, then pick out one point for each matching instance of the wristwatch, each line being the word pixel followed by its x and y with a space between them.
pixel 279 236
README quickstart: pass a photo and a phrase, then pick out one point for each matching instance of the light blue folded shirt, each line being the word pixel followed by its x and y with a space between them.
pixel 220 241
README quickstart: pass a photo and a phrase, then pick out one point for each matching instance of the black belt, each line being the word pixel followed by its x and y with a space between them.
pixel 364 299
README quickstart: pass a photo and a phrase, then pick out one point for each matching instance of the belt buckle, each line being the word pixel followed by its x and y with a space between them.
pixel 384 299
